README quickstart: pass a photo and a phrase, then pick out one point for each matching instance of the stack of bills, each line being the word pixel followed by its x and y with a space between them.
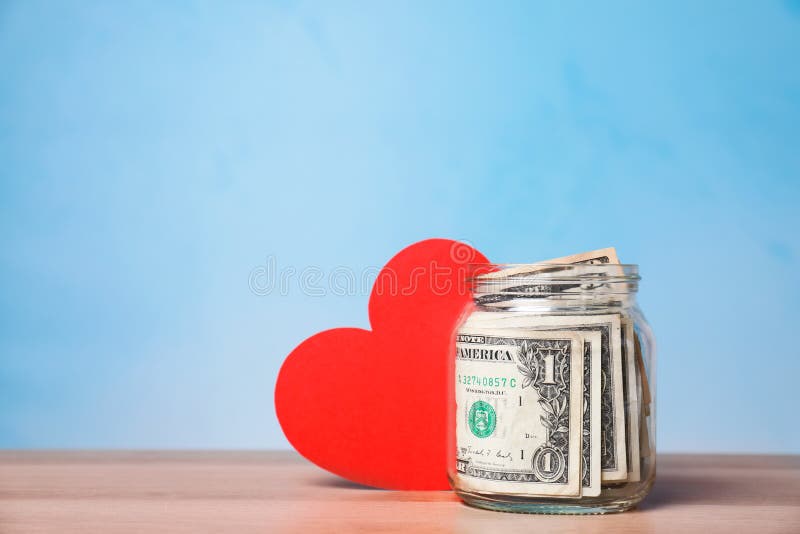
pixel 550 404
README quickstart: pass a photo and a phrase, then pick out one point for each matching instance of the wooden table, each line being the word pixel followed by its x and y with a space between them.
pixel 113 492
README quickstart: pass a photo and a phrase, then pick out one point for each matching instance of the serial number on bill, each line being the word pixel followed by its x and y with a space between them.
pixel 489 381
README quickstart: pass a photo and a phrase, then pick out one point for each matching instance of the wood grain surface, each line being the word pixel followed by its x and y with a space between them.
pixel 243 492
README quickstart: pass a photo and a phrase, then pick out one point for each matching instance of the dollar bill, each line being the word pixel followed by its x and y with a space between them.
pixel 646 396
pixel 600 256
pixel 603 255
pixel 613 450
pixel 519 401
pixel 644 434
pixel 631 395
pixel 590 448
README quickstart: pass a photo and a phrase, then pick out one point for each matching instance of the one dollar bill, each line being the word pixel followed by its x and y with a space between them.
pixel 519 402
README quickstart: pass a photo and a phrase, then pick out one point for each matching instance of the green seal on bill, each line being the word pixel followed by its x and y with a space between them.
pixel 482 419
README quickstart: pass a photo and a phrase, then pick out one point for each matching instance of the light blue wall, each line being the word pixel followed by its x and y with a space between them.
pixel 153 154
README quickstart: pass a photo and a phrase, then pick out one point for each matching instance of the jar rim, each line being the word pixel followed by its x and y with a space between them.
pixel 551 264
pixel 486 272
pixel 508 280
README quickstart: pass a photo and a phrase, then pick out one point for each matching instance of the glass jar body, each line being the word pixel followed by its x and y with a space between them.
pixel 509 435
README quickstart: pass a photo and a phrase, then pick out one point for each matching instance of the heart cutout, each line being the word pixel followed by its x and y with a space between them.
pixel 372 405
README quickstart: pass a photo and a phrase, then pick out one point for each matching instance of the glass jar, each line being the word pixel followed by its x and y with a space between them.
pixel 553 391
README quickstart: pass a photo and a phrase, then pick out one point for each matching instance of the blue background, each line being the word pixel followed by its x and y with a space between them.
pixel 153 155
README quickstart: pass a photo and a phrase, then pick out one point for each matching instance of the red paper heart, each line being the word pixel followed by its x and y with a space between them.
pixel 372 406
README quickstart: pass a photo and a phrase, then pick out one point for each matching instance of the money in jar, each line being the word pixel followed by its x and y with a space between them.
pixel 553 388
